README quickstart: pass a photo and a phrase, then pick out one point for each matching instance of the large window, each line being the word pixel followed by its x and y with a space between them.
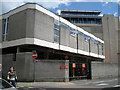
pixel 5 28
pixel 56 31
pixel 85 21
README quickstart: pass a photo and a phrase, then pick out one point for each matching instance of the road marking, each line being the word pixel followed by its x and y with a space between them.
pixel 117 86
pixel 106 81
pixel 99 82
pixel 102 84
pixel 30 87
pixel 20 86
pixel 116 79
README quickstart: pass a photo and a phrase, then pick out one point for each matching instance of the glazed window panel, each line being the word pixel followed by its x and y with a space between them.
pixel 56 31
pixel 5 29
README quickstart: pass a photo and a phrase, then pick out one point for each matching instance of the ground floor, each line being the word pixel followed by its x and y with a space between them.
pixel 54 65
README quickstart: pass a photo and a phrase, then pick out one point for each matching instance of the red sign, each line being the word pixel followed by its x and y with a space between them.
pixel 67 67
pixel 62 67
pixel 83 65
pixel 34 55
pixel 73 65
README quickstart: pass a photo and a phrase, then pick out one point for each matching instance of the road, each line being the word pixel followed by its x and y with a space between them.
pixel 98 84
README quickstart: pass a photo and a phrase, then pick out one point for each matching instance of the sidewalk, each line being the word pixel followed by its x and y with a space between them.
pixel 44 84
pixel 72 84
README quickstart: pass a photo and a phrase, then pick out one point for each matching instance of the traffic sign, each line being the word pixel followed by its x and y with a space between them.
pixel 34 55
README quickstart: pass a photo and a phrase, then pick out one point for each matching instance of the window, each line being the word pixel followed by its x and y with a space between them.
pixel 56 31
pixel 73 32
pixel 80 33
pixel 86 38
pixel 5 28
pixel 95 41
pixel 102 49
pixel 64 25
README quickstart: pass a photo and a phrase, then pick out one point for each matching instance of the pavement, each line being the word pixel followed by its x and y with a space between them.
pixel 77 84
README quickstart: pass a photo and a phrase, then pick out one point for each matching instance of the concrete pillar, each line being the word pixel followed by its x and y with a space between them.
pixel 119 43
pixel 67 71
pixel 18 49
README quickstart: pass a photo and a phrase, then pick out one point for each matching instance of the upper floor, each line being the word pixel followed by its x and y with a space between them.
pixel 34 25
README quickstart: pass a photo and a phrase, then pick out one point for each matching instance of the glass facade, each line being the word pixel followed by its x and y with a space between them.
pixel 80 13
pixel 84 21
pixel 5 29
pixel 56 31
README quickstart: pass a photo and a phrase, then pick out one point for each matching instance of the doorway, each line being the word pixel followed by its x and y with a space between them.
pixel 79 70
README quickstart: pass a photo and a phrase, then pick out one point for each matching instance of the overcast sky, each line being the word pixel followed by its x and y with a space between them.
pixel 105 6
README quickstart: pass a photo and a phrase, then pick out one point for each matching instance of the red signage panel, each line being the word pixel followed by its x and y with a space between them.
pixel 62 67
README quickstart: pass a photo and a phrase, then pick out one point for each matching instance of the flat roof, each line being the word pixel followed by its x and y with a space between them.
pixel 84 11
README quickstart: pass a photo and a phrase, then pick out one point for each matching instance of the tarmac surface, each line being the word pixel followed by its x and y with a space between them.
pixel 96 84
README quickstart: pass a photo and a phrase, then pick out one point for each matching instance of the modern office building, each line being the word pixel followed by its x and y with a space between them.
pixel 65 51
pixel 105 27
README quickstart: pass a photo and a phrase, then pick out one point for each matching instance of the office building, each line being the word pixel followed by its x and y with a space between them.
pixel 65 51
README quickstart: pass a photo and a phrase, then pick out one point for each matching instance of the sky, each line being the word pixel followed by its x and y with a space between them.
pixel 105 6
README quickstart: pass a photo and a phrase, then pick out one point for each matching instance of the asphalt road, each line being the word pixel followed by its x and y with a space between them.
pixel 98 84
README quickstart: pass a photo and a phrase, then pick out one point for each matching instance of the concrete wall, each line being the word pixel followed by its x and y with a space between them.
pixel 30 23
pixel 49 70
pixel 64 36
pixel 93 47
pixel 110 38
pixel 45 70
pixel 24 66
pixel 66 39
pixel 119 41
pixel 7 62
pixel 104 70
pixel 82 44
pixel 44 27
pixel 73 42
pixel 21 25
pixel 17 26
pixel 93 29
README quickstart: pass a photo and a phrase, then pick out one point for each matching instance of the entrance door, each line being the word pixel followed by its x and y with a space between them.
pixel 79 70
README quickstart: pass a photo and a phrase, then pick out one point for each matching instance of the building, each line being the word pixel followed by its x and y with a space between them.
pixel 105 27
pixel 65 51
